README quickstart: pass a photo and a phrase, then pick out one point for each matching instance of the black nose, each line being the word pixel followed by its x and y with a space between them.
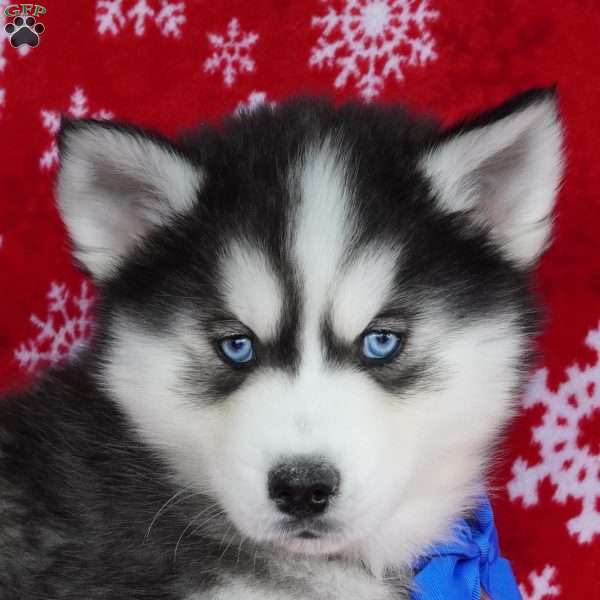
pixel 303 488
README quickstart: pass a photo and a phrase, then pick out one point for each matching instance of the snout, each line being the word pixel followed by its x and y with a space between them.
pixel 303 487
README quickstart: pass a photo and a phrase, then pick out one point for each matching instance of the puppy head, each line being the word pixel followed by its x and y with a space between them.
pixel 319 316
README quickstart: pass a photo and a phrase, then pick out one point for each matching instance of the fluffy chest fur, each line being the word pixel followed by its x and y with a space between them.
pixel 313 324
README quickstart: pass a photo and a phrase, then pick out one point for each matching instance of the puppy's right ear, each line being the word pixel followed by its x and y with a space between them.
pixel 115 184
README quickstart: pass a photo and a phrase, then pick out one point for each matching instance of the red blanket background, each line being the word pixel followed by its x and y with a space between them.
pixel 162 63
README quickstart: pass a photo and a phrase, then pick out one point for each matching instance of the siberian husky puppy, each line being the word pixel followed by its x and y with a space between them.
pixel 313 325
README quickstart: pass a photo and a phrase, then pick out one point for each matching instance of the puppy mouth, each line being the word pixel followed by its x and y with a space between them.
pixel 311 537
pixel 308 529
pixel 309 543
pixel 308 535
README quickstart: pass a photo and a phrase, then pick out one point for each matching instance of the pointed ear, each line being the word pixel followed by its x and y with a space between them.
pixel 115 184
pixel 503 169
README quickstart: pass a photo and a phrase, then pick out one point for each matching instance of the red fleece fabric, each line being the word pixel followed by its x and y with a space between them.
pixel 169 64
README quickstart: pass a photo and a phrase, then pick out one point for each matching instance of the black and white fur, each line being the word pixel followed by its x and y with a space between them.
pixel 141 471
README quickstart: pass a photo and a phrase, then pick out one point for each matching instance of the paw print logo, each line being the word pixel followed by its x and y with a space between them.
pixel 24 31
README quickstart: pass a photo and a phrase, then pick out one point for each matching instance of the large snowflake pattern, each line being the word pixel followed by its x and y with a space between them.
pixel 63 332
pixel 168 17
pixel 369 41
pixel 231 52
pixel 570 463
pixel 541 585
pixel 78 108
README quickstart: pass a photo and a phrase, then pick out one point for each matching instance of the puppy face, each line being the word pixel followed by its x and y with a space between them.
pixel 319 316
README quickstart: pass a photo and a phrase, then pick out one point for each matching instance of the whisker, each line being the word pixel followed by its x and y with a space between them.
pixel 217 513
pixel 243 539
pixel 227 547
pixel 164 506
pixel 212 506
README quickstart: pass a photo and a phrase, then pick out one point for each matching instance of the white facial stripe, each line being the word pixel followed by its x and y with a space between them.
pixel 253 292
pixel 361 290
pixel 323 231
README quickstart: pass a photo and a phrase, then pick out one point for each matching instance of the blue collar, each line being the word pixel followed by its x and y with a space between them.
pixel 460 569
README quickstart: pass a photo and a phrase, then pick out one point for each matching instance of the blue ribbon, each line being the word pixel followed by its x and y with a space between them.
pixel 460 569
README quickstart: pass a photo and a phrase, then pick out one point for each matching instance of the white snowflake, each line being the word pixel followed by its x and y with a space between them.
pixel 78 108
pixel 254 100
pixel 231 53
pixel 371 40
pixel 109 16
pixel 541 585
pixel 168 17
pixel 572 466
pixel 138 14
pixel 66 328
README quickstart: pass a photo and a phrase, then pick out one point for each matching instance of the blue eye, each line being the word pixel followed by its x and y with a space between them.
pixel 237 350
pixel 379 345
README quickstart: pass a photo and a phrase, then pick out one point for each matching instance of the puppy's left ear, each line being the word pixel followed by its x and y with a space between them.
pixel 503 169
